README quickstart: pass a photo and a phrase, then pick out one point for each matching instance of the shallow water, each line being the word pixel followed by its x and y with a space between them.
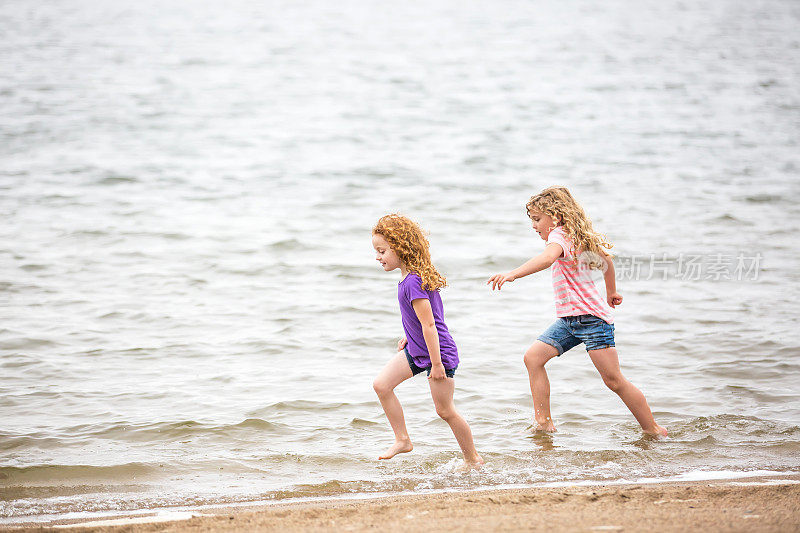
pixel 191 311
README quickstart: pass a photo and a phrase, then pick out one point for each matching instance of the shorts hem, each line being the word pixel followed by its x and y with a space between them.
pixel 601 347
pixel 552 343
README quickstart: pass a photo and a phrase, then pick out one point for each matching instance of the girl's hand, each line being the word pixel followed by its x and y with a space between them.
pixel 498 279
pixel 437 372
pixel 401 344
pixel 614 299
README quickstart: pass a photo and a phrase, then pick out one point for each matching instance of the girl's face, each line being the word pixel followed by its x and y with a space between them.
pixel 384 253
pixel 543 224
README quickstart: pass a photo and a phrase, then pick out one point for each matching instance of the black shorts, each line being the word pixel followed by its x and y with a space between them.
pixel 449 372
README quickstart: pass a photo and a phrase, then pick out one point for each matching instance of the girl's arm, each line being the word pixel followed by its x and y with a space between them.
pixel 542 261
pixel 424 312
pixel 612 296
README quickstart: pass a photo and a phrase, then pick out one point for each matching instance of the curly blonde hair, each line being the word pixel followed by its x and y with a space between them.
pixel 408 241
pixel 559 203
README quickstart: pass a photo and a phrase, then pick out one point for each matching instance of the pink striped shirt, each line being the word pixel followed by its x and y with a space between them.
pixel 574 288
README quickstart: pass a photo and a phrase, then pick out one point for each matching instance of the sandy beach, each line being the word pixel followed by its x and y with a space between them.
pixel 769 504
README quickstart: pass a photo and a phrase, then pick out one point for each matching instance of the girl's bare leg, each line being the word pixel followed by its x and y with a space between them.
pixel 394 373
pixel 607 363
pixel 442 394
pixel 535 358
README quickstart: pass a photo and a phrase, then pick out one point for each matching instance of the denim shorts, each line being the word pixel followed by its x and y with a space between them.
pixel 569 331
pixel 449 372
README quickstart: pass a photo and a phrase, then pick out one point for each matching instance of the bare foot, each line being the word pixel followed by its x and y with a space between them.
pixel 658 432
pixel 399 446
pixel 545 425
pixel 473 463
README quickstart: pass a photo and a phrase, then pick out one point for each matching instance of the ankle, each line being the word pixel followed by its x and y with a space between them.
pixel 473 458
pixel 655 430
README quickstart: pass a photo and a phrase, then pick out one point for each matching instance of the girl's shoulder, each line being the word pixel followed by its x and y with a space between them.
pixel 411 287
pixel 560 236
pixel 412 278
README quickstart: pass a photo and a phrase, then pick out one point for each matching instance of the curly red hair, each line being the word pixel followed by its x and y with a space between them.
pixel 408 241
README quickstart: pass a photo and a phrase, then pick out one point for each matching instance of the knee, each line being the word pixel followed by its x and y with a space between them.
pixel 614 382
pixel 445 413
pixel 532 360
pixel 381 388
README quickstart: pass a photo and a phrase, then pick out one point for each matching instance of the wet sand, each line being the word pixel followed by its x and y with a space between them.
pixel 770 504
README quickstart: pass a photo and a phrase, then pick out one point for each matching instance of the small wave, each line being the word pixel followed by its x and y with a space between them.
pixel 33 267
pixel 361 423
pixel 89 233
pixel 116 179
pixel 112 314
pixel 85 169
pixel 195 61
pixel 735 429
pixel 304 405
pixel 17 360
pixel 371 311
pixel 727 218
pixel 172 431
pixel 763 198
pixel 252 272
pixel 13 173
pixel 761 396
pixel 336 487
pixel 286 245
pixel 171 235
pixel 10 442
pixel 73 474
pixel 374 172
pixel 26 343
pixel 253 423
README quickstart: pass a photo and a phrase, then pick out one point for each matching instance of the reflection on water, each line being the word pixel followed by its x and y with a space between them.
pixel 544 441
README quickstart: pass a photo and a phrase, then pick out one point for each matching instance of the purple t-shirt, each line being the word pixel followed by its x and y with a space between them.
pixel 408 290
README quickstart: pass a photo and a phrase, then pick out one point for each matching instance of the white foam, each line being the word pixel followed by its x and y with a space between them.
pixel 161 516
pixel 766 482
pixel 711 475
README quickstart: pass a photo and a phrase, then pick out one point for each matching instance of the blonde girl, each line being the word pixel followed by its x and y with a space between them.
pixel 573 248
pixel 427 344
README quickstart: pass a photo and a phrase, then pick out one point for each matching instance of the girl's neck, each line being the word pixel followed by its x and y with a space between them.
pixel 403 271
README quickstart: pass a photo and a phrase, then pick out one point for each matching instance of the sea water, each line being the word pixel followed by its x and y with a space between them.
pixel 190 309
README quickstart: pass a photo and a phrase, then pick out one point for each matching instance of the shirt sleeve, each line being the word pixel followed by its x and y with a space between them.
pixel 414 289
pixel 559 236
